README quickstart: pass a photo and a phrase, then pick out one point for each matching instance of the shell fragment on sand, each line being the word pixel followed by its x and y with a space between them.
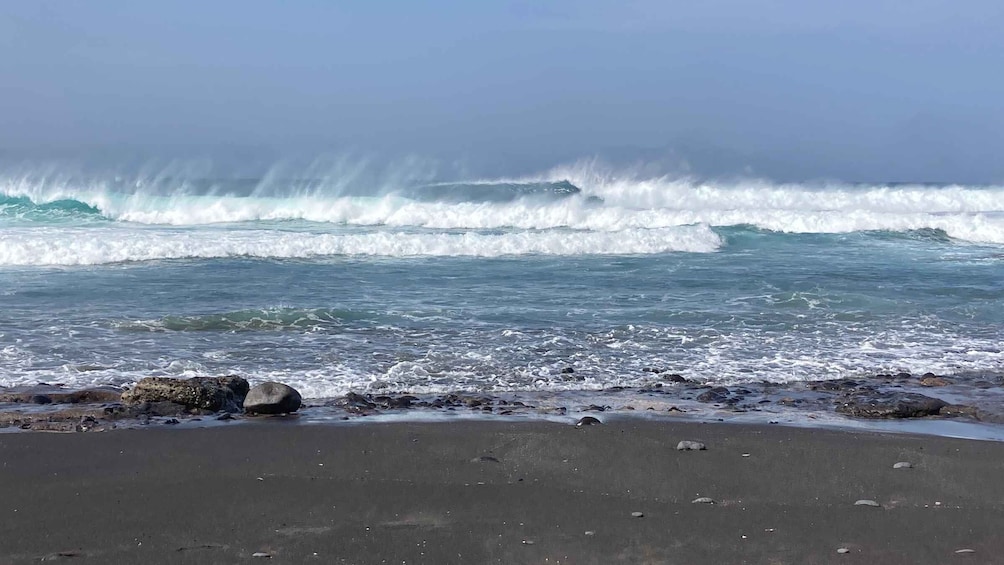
pixel 903 465
pixel 866 502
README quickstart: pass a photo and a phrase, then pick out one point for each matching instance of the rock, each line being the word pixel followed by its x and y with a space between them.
pixel 966 550
pixel 272 398
pixel 49 394
pixel 903 465
pixel 702 500
pixel 637 514
pixel 674 378
pixel 355 402
pixel 567 371
pixel 934 381
pixel 960 410
pixel 717 394
pixel 687 445
pixel 587 421
pixel 865 502
pixel 890 405
pixel 206 393
pixel 394 402
pixel 261 554
pixel 843 550
pixel 485 459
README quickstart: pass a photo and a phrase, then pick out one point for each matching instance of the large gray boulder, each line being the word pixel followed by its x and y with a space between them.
pixel 871 404
pixel 203 393
pixel 272 398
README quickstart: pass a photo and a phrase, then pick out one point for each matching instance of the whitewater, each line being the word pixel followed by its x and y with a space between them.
pixel 435 285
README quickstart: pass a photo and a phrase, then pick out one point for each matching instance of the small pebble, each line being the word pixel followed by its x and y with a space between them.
pixel 903 465
pixel 262 554
pixel 687 445
pixel 528 542
pixel 587 421
pixel 865 502
pixel 590 533
pixel 967 550
pixel 637 514
pixel 746 454
pixel 843 550
pixel 702 500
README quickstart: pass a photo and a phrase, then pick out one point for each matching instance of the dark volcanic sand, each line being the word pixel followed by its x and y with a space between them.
pixel 418 493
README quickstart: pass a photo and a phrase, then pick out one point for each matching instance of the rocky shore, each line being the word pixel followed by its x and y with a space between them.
pixel 158 400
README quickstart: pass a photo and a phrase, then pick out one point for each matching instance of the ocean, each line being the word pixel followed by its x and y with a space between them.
pixel 567 281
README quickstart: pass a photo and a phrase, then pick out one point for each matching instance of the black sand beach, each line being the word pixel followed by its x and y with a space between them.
pixel 498 492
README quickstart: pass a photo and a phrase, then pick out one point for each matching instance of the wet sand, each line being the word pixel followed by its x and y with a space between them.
pixel 497 492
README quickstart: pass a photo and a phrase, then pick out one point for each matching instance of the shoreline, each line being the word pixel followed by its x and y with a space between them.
pixel 903 403
pixel 500 492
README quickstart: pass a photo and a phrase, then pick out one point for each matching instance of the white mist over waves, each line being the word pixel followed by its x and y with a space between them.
pixel 96 246
pixel 610 201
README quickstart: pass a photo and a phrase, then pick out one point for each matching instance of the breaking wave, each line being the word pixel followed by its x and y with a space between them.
pixel 96 246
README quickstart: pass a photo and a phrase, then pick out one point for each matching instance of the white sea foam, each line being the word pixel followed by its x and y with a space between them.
pixel 95 246
pixel 609 202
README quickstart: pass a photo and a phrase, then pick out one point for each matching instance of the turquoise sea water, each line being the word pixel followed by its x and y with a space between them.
pixel 495 285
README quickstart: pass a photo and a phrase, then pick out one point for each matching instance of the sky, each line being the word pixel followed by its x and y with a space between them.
pixel 876 90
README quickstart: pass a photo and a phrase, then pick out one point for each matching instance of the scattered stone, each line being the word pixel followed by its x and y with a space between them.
pixel 206 393
pixel 637 514
pixel 590 533
pixel 674 378
pixel 843 550
pixel 485 459
pixel 703 500
pixel 890 405
pixel 934 381
pixel 272 398
pixel 903 465
pixel 528 542
pixel 587 421
pixel 966 550
pixel 866 502
pixel 567 371
pixel 687 445
pixel 262 554
pixel 225 416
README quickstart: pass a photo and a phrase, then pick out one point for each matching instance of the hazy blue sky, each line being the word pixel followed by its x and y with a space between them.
pixel 790 89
